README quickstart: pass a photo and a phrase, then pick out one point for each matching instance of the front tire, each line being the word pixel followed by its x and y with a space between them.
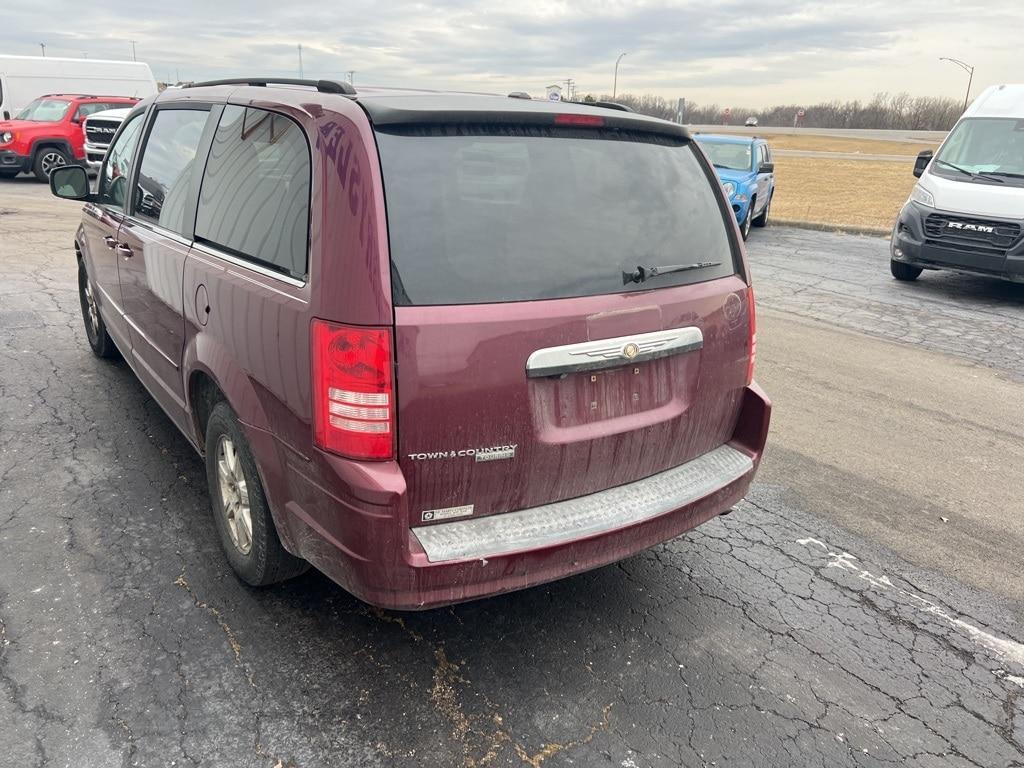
pixel 240 509
pixel 904 272
pixel 745 224
pixel 95 329
pixel 46 160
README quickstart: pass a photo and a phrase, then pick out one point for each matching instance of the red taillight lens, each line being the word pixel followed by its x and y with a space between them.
pixel 588 120
pixel 752 318
pixel 353 391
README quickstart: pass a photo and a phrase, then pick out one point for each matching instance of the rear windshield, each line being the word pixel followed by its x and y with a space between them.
pixel 523 213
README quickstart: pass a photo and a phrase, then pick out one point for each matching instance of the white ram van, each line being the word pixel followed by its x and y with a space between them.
pixel 966 213
pixel 24 78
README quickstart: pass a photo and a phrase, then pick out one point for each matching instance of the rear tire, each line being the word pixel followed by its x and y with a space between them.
pixel 762 220
pixel 905 272
pixel 46 160
pixel 240 509
pixel 95 329
pixel 745 224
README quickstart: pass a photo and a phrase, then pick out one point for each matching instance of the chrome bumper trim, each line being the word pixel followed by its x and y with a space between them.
pixel 612 353
pixel 598 513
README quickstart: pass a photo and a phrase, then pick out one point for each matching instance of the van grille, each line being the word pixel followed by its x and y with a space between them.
pixel 100 130
pixel 978 235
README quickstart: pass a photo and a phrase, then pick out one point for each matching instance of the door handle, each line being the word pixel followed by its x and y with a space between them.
pixel 124 250
pixel 110 241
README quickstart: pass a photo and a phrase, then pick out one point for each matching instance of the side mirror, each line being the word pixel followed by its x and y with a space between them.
pixel 766 168
pixel 7 115
pixel 70 182
pixel 922 162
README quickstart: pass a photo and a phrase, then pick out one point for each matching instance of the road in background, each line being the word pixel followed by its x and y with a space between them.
pixel 768 637
pixel 853 133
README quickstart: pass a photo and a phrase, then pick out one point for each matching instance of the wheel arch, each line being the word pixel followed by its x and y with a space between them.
pixel 48 143
pixel 213 377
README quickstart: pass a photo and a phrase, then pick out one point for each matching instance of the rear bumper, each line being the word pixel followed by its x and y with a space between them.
pixel 12 161
pixel 368 548
pixel 911 245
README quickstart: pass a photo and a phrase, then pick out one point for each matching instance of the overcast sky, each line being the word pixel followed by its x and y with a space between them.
pixel 739 53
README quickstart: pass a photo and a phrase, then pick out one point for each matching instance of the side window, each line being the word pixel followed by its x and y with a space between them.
pixel 254 201
pixel 84 110
pixel 166 179
pixel 113 182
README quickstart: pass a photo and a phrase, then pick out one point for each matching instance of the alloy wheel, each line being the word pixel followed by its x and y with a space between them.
pixel 51 160
pixel 234 495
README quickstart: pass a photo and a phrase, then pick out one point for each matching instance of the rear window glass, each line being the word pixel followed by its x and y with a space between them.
pixel 524 213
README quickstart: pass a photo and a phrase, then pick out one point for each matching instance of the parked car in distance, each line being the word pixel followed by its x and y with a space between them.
pixel 48 133
pixel 747 171
pixel 24 78
pixel 966 212
pixel 441 346
pixel 751 122
pixel 99 129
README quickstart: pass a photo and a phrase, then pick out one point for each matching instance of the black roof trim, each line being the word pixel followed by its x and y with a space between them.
pixel 486 110
pixel 606 105
pixel 323 86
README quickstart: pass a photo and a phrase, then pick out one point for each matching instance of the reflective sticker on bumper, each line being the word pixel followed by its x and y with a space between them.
pixel 447 513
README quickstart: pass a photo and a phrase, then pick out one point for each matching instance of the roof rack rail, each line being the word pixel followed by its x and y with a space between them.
pixel 323 86
pixel 520 95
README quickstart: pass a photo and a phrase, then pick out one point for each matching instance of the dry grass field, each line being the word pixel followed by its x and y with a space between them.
pixel 815 143
pixel 851 193
pixel 857 194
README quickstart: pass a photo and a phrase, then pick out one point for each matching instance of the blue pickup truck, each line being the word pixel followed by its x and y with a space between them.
pixel 745 166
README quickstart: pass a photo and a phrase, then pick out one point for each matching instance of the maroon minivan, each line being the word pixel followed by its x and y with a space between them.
pixel 438 345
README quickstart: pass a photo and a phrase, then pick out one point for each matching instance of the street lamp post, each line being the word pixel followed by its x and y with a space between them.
pixel 966 68
pixel 615 82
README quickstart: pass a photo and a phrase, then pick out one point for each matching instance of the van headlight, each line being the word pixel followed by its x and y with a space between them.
pixel 730 188
pixel 921 195
pixel 6 137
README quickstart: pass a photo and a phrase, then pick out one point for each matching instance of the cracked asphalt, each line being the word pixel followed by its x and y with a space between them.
pixel 794 632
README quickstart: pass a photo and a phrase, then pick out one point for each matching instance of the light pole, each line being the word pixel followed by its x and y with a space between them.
pixel 615 82
pixel 133 42
pixel 966 68
pixel 42 46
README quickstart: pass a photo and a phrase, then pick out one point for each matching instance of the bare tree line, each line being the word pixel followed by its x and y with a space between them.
pixel 899 111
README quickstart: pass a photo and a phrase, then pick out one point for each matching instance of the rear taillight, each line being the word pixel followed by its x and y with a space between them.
pixel 591 121
pixel 752 339
pixel 353 391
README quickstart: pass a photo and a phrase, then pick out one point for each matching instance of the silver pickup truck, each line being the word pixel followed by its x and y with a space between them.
pixel 100 128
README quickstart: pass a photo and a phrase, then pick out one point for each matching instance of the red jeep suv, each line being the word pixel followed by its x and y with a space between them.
pixel 438 345
pixel 48 133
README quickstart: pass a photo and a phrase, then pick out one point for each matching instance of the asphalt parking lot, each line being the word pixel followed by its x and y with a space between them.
pixel 860 608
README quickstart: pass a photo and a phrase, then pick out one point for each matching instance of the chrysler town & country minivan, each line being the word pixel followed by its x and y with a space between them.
pixel 440 346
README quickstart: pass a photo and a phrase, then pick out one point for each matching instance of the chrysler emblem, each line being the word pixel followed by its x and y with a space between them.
pixel 630 351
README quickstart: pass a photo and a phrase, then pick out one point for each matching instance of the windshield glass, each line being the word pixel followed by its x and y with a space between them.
pixel 44 110
pixel 515 214
pixel 988 145
pixel 735 157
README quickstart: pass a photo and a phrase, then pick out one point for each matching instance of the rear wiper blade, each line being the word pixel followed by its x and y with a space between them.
pixel 966 172
pixel 642 273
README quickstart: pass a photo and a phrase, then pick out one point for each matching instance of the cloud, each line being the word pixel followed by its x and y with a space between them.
pixel 748 48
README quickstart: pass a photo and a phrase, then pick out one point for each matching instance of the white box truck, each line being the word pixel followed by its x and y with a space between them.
pixel 24 78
